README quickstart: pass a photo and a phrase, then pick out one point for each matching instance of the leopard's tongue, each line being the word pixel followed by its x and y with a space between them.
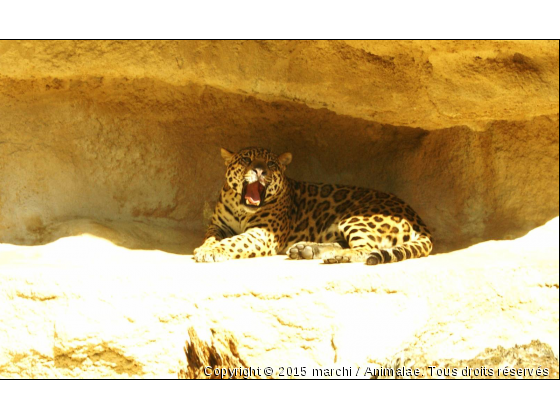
pixel 253 193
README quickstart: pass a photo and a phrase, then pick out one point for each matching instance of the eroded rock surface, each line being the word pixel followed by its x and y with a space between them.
pixel 429 84
pixel 84 307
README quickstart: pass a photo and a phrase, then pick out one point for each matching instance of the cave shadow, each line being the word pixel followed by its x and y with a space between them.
pixel 468 186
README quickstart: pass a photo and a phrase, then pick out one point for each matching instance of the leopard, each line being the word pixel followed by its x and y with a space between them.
pixel 262 212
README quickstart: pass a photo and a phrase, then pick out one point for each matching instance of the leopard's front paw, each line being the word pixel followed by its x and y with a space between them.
pixel 336 257
pixel 209 254
pixel 303 251
pixel 310 250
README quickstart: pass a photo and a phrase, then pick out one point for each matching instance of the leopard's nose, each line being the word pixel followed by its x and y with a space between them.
pixel 259 172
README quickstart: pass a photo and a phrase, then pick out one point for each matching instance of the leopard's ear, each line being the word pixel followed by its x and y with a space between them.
pixel 226 154
pixel 285 158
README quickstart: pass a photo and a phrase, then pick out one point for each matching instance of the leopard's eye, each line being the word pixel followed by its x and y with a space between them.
pixel 272 166
pixel 245 160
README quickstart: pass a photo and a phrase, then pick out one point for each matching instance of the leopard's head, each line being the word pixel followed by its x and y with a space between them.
pixel 256 175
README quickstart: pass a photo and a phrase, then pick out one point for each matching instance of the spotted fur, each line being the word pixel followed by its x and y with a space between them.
pixel 337 223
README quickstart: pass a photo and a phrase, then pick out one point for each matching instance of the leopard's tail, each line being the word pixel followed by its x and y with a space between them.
pixel 419 247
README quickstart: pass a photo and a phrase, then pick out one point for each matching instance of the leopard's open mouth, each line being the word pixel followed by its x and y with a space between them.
pixel 253 194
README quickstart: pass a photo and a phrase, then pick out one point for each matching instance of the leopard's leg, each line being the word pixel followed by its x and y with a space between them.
pixel 255 242
pixel 311 250
pixel 360 240
pixel 415 242
pixel 381 239
pixel 214 234
pixel 421 246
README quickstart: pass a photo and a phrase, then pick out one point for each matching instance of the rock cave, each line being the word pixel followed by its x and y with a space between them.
pixel 110 168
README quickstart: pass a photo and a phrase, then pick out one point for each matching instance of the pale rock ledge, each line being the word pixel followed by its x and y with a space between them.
pixel 83 307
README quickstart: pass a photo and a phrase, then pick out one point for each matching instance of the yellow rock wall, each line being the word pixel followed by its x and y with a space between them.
pixel 129 132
